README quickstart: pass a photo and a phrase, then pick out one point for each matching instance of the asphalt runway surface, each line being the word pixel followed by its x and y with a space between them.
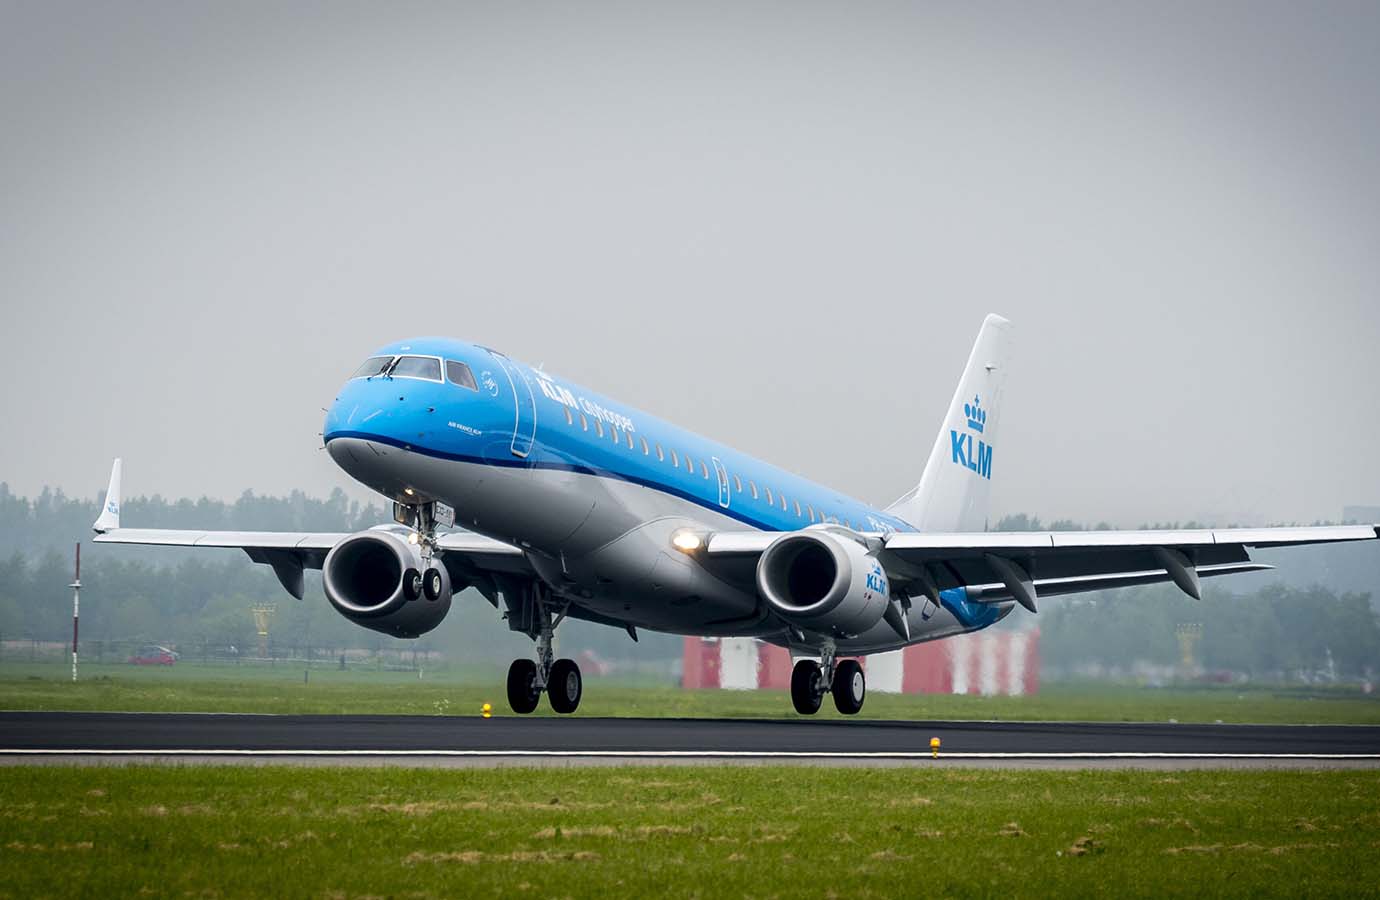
pixel 441 740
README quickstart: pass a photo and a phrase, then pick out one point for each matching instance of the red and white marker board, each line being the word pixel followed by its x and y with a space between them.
pixel 986 662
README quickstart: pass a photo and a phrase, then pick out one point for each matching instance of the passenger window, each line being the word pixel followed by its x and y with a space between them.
pixel 599 426
pixel 584 423
pixel 703 470
pixel 811 510
pixel 628 435
pixel 675 460
pixel 613 432
pixel 374 365
pixel 459 373
pixel 426 368
pixel 569 419
pixel 783 503
pixel 689 464
pixel 646 451
pixel 753 485
pixel 660 454
pixel 797 509
pixel 738 483
pixel 770 501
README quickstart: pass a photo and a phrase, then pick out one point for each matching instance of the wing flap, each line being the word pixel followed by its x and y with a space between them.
pixel 1053 587
pixel 240 540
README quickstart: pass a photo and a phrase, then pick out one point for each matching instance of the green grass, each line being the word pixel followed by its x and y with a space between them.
pixel 192 688
pixel 644 832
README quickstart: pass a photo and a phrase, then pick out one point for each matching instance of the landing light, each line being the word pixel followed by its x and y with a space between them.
pixel 408 491
pixel 413 538
pixel 686 541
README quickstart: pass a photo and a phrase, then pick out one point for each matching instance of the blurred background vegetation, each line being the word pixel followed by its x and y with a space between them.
pixel 1314 619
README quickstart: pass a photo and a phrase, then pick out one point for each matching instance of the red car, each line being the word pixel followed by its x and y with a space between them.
pixel 154 655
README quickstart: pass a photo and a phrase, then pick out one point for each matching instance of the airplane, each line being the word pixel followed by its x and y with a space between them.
pixel 553 501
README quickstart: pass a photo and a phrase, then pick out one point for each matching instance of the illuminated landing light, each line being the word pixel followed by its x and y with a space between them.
pixel 408 491
pixel 414 538
pixel 686 541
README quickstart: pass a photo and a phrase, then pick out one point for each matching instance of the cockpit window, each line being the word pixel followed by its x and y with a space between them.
pixel 459 373
pixel 426 367
pixel 374 365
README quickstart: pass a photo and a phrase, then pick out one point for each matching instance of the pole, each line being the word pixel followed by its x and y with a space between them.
pixel 76 610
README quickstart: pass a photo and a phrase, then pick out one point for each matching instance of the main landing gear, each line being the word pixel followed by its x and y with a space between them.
pixel 811 680
pixel 531 612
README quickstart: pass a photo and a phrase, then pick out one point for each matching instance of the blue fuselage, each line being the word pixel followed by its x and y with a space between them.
pixel 589 488
pixel 521 418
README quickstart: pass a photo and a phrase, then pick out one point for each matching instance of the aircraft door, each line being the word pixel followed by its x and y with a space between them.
pixel 720 471
pixel 525 412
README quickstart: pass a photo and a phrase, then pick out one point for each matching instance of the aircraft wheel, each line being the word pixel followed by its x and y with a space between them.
pixel 523 693
pixel 564 687
pixel 805 693
pixel 433 584
pixel 412 584
pixel 850 687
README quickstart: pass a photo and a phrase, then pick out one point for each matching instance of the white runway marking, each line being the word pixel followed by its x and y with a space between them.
pixel 685 754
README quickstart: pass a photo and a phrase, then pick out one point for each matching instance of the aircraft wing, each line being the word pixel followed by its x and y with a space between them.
pixel 466 554
pixel 289 552
pixel 997 566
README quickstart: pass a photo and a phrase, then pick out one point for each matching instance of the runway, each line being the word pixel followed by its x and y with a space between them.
pixel 34 736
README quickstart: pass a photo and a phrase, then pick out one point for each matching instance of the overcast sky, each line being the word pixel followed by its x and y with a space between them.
pixel 779 225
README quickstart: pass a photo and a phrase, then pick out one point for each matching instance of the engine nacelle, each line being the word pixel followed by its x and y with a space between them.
pixel 364 577
pixel 823 581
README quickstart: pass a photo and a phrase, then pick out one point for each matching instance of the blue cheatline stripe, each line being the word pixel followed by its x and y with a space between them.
pixel 554 465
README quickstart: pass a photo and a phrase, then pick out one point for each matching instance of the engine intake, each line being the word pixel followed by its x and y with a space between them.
pixel 823 581
pixel 366 578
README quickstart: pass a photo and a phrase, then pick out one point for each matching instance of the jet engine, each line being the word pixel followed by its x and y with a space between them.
pixel 823 581
pixel 378 579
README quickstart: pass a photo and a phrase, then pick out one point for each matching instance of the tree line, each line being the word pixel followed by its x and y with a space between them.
pixel 1314 612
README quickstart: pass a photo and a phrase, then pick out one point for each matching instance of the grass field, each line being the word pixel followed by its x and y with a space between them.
pixel 231 831
pixel 260 689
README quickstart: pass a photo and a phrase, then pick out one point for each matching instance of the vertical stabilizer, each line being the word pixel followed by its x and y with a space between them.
pixel 109 519
pixel 953 490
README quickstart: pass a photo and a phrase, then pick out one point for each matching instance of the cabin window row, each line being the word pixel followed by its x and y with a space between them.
pixel 778 498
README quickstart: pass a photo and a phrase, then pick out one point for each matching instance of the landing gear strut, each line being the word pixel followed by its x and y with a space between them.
pixel 811 680
pixel 429 582
pixel 531 610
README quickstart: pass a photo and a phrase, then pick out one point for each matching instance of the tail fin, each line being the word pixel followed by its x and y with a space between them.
pixel 109 518
pixel 952 493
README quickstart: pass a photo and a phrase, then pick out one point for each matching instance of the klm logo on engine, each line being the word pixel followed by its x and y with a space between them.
pixel 971 454
pixel 876 580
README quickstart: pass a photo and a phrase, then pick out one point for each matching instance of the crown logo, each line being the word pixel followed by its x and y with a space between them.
pixel 977 416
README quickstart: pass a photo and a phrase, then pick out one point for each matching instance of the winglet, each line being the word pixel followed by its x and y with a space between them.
pixel 109 518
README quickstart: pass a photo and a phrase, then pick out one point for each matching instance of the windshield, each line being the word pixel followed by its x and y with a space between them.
pixel 427 367
pixel 374 365
pixel 460 374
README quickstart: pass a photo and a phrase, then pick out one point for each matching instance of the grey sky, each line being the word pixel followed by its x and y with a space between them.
pixel 777 224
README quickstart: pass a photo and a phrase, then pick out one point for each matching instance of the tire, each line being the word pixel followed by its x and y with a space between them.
pixel 805 693
pixel 412 584
pixel 432 584
pixel 565 686
pixel 522 686
pixel 850 687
